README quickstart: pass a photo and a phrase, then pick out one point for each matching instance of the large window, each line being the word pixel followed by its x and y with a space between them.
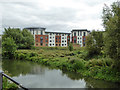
pixel 74 33
pixel 84 34
pixel 41 32
pixel 80 33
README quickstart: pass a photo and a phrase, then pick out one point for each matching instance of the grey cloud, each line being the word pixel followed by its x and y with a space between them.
pixel 22 15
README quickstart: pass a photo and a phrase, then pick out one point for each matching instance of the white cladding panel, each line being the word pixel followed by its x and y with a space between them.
pixel 63 40
pixel 51 41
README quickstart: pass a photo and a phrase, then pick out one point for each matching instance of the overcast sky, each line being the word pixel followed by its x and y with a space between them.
pixel 54 15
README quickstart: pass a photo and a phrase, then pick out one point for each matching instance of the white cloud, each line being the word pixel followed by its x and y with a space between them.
pixel 57 15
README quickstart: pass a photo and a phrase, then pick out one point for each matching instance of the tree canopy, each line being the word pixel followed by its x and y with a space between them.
pixel 23 38
pixel 111 23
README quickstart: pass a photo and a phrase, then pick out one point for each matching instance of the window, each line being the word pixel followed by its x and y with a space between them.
pixel 84 34
pixel 50 37
pixel 62 37
pixel 46 44
pixel 78 41
pixel 33 31
pixel 56 33
pixel 62 34
pixel 50 40
pixel 56 41
pixel 56 44
pixel 65 40
pixel 59 37
pixel 41 44
pixel 59 41
pixel 68 39
pixel 53 40
pixel 36 44
pixel 50 33
pixel 46 37
pixel 65 44
pixel 59 44
pixel 50 44
pixel 53 37
pixel 41 32
pixel 36 36
pixel 84 39
pixel 62 41
pixel 37 32
pixel 53 44
pixel 41 37
pixel 74 33
pixel 56 37
pixel 46 40
pixel 62 44
pixel 78 37
pixel 80 33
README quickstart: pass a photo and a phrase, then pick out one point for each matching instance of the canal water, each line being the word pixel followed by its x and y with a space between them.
pixel 33 75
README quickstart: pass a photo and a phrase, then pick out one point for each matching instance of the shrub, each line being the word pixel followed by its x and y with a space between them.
pixel 8 47
pixel 70 47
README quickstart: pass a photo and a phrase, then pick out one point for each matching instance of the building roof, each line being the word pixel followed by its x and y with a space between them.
pixel 35 28
pixel 57 32
pixel 79 30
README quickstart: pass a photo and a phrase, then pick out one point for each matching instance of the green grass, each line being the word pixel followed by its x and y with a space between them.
pixel 74 61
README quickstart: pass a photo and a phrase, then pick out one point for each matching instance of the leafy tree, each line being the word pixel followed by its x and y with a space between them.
pixel 111 23
pixel 8 47
pixel 23 39
pixel 94 43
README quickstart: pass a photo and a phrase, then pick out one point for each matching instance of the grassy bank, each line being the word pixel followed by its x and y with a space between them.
pixel 74 61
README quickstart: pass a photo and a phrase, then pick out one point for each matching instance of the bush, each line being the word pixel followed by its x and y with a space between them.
pixel 70 47
pixel 8 47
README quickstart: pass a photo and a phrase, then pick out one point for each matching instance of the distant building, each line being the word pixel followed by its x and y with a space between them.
pixel 58 39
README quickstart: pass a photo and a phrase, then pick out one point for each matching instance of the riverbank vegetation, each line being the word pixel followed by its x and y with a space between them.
pixel 74 61
pixel 7 85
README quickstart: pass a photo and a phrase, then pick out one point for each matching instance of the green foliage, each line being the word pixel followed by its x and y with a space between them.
pixel 111 22
pixel 8 85
pixel 8 47
pixel 74 61
pixel 70 47
pixel 94 43
pixel 23 39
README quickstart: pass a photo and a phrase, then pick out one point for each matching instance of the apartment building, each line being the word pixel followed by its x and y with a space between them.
pixel 57 39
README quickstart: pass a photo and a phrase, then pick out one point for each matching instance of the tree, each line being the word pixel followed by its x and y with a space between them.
pixel 8 47
pixel 94 43
pixel 111 23
pixel 23 39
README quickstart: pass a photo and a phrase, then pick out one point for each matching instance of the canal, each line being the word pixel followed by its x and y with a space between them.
pixel 34 75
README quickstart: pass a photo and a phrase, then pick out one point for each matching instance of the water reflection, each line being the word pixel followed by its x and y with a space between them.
pixel 34 75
